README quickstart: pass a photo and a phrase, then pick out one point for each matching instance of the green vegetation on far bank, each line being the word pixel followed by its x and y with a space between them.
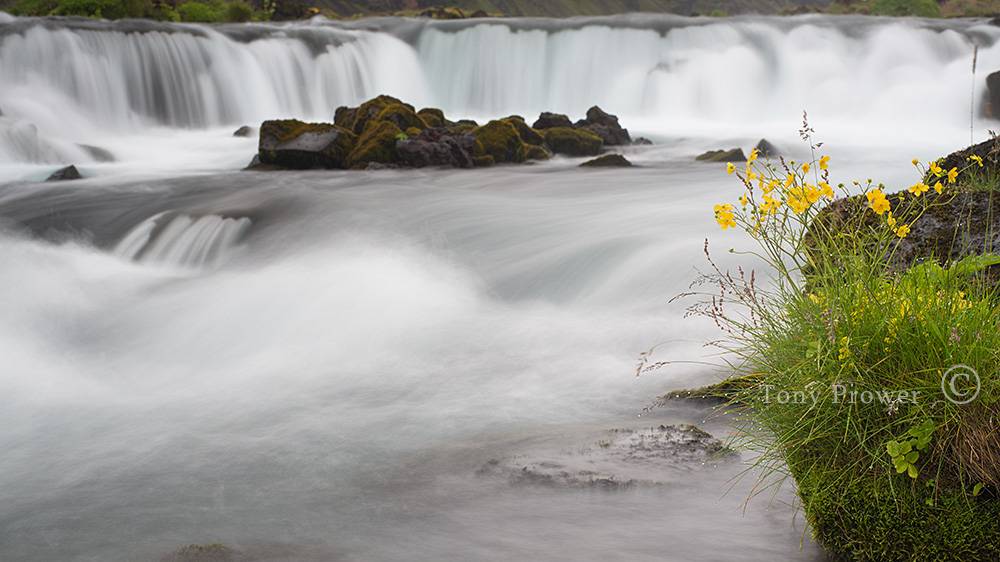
pixel 200 11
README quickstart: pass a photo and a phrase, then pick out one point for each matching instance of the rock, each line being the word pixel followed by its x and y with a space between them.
pixel 359 117
pixel 244 131
pixel 433 117
pixel 573 142
pixel 97 153
pixel 731 155
pixel 606 126
pixel 479 14
pixel 437 147
pixel 483 161
pixel 344 117
pixel 402 116
pixel 527 134
pixel 993 94
pixel 443 13
pixel 376 144
pixel 549 120
pixel 641 140
pixel 536 152
pixel 500 140
pixel 65 174
pixel 203 553
pixel 290 143
pixel 621 459
pixel 988 150
pixel 607 161
pixel 767 150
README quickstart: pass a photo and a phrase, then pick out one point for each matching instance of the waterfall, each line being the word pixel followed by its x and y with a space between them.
pixel 69 78
pixel 182 240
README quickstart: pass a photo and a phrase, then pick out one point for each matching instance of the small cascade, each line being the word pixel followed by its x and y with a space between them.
pixel 183 240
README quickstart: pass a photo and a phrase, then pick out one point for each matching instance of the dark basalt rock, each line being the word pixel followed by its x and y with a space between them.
pixel 244 131
pixel 988 150
pixel 993 95
pixel 606 126
pixel 433 117
pixel 549 120
pixel 65 174
pixel 97 153
pixel 641 140
pixel 572 142
pixel 731 155
pixel 607 161
pixel 621 459
pixel 437 147
pixel 500 140
pixel 294 144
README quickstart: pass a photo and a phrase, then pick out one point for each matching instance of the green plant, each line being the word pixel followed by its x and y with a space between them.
pixel 199 12
pixel 238 11
pixel 919 8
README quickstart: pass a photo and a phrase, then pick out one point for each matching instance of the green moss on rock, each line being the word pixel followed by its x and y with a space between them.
pixel 483 161
pixel 370 110
pixel 376 144
pixel 527 134
pixel 536 152
pixel 433 116
pixel 401 116
pixel 291 143
pixel 500 140
pixel 573 142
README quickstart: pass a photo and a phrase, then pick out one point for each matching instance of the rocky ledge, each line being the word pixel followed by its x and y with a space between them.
pixel 385 132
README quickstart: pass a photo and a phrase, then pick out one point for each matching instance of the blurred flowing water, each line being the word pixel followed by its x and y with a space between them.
pixel 313 365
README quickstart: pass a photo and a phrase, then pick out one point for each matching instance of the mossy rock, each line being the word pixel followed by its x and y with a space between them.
pixel 401 116
pixel 500 140
pixel 433 117
pixel 731 155
pixel 290 143
pixel 607 161
pixel 526 133
pixel 370 110
pixel 855 519
pixel 536 152
pixel 377 144
pixel 572 142
pixel 344 117
pixel 412 132
pixel 483 161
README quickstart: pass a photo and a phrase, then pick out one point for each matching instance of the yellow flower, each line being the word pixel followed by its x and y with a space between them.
pixel 902 231
pixel 874 194
pixel 789 180
pixel 812 194
pixel 805 168
pixel 824 162
pixel 770 205
pixel 744 200
pixel 938 187
pixel 724 215
pixel 952 175
pixel 977 159
pixel 915 162
pixel 936 170
pixel 751 175
pixel 753 155
pixel 825 190
pixel 723 208
pixel 730 168
pixel 880 206
pixel 891 220
pixel 769 187
pixel 919 188
pixel 797 204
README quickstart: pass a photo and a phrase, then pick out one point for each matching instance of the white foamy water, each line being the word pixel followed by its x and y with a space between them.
pixel 313 366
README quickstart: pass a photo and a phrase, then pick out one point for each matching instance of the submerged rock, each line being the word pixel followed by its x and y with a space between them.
pixel 63 174
pixel 621 459
pixel 641 140
pixel 731 155
pixel 244 131
pixel 97 153
pixel 203 553
pixel 294 144
pixel 572 142
pixel 608 161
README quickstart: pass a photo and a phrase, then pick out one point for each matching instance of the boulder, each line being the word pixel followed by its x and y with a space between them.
pixel 988 150
pixel 344 117
pixel 433 117
pixel 357 118
pixel 641 140
pixel 500 140
pixel 993 94
pixel 731 155
pixel 402 116
pixel 244 131
pixel 527 134
pixel 536 152
pixel 376 144
pixel 572 142
pixel 64 174
pixel 549 120
pixel 767 150
pixel 290 143
pixel 607 161
pixel 437 147
pixel 606 126
pixel 97 153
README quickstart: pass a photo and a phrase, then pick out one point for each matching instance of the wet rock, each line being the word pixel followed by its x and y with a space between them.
pixel 993 94
pixel 500 140
pixel 642 141
pixel 621 459
pixel 606 126
pixel 767 150
pixel 294 144
pixel 549 120
pixel 433 117
pixel 203 553
pixel 97 153
pixel 572 142
pixel 437 147
pixel 536 152
pixel 357 118
pixel 244 131
pixel 402 116
pixel 65 174
pixel 377 144
pixel 731 155
pixel 527 134
pixel 988 150
pixel 608 161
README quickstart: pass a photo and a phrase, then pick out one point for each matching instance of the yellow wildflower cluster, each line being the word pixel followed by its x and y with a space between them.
pixel 724 216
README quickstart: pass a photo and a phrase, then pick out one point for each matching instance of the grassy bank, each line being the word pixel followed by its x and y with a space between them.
pixel 874 379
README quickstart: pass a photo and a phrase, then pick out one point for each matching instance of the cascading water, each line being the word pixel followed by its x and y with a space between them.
pixel 330 387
